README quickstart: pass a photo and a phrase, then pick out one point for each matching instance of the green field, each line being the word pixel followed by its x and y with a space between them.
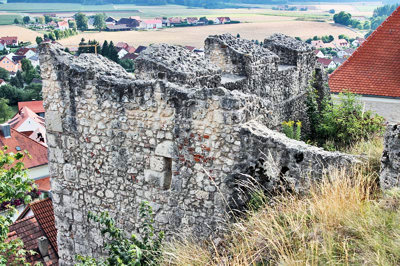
pixel 8 19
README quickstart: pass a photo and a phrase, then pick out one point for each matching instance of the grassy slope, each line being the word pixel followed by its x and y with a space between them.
pixel 344 220
pixel 7 19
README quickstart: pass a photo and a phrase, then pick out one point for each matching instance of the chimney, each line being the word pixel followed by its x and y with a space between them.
pixel 5 130
pixel 43 244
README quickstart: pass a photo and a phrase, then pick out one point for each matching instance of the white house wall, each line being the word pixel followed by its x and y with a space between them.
pixel 38 172
pixel 28 125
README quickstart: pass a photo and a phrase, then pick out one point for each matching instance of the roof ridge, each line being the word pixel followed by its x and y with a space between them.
pixel 371 36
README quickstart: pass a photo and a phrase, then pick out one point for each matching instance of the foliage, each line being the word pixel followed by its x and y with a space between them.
pixel 14 184
pixel 385 10
pixel 100 21
pixel 340 124
pixel 4 74
pixel 39 40
pixel 26 19
pixel 128 251
pixel 16 21
pixel 327 39
pixel 5 110
pixel 127 64
pixel 47 19
pixel 343 18
pixel 331 11
pixel 81 21
pixel 291 129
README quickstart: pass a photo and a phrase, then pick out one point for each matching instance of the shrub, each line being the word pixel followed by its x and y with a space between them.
pixel 292 130
pixel 128 251
pixel 343 123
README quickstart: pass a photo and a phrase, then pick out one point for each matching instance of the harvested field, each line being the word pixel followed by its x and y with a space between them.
pixel 194 36
pixel 23 34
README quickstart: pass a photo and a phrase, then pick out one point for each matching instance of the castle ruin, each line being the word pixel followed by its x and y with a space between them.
pixel 181 133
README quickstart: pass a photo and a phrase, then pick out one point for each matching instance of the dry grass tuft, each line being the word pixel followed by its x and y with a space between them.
pixel 343 220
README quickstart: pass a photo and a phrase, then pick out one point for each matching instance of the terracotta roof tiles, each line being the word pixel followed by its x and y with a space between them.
pixel 374 67
pixel 35 106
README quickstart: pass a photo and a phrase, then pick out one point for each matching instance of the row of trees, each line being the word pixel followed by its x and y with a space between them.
pixel 82 20
pixel 107 50
pixel 345 18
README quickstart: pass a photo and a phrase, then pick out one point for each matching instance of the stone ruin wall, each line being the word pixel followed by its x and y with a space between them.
pixel 390 168
pixel 116 140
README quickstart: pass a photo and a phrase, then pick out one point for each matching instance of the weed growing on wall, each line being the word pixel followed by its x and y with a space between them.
pixel 144 250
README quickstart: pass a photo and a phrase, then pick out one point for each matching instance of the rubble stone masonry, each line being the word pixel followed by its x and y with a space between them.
pixel 390 170
pixel 180 133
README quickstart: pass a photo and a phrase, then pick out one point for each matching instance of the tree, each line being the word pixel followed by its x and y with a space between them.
pixel 40 20
pixel 39 40
pixel 342 18
pixel 16 21
pixel 81 21
pixel 99 21
pixel 72 24
pixel 238 35
pixel 26 19
pixel 4 74
pixel 28 71
pixel 332 11
pixel 5 110
pixel 18 80
pixel 105 49
pixel 127 64
pixel 112 53
pixel 47 19
pixel 15 184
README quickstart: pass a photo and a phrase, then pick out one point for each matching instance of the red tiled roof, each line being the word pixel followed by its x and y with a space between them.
pixel 10 40
pixel 37 151
pixel 324 61
pixel 23 51
pixel 23 114
pixel 28 230
pixel 44 213
pixel 44 184
pixel 35 106
pixel 374 67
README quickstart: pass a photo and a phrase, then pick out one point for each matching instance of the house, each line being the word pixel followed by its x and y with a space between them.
pixel 2 82
pixel 35 60
pixel 52 24
pixel 222 20
pixel 35 227
pixel 319 54
pixel 26 121
pixel 9 64
pixel 10 41
pixel 121 52
pixel 123 45
pixel 130 49
pixel 341 43
pixel 128 22
pixel 140 49
pixel 130 56
pixel 27 52
pixel 63 25
pixel 320 44
pixel 37 164
pixel 326 63
pixel 202 21
pixel 150 24
pixel 44 185
pixel 190 48
pixel 372 70
pixel 18 58
pixel 35 106
pixel 165 21
pixel 342 54
pixel 175 20
pixel 121 27
pixel 192 20
pixel 338 61
pixel 91 23
pixel 111 21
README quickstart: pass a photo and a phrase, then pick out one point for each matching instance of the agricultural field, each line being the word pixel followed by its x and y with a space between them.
pixel 7 19
pixel 257 28
pixel 23 34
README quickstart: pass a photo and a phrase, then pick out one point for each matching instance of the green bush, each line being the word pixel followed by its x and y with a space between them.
pixel 291 129
pixel 128 251
pixel 336 125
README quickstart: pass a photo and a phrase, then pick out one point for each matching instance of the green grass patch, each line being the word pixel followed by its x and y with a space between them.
pixel 8 19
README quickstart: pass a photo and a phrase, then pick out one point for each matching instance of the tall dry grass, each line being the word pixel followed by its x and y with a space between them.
pixel 343 220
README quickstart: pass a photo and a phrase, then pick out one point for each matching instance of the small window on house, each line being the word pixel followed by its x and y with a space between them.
pixel 18 148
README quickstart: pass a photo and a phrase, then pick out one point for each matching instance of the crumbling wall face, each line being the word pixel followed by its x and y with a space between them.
pixel 279 164
pixel 177 64
pixel 115 141
pixel 390 169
